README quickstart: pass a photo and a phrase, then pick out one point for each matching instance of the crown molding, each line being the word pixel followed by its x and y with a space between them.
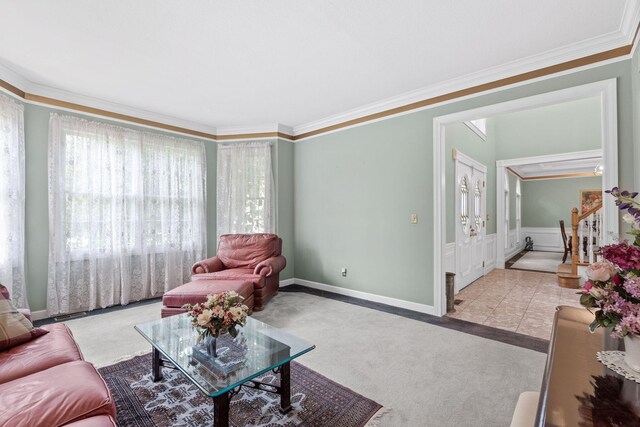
pixel 624 37
pixel 34 93
pixel 615 46
pixel 13 82
pixel 630 18
pixel 275 130
pixel 37 90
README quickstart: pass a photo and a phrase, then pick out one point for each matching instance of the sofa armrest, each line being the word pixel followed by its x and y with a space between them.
pixel 271 266
pixel 209 265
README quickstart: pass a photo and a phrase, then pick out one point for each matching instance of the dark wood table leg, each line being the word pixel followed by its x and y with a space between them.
pixel 221 410
pixel 285 388
pixel 156 371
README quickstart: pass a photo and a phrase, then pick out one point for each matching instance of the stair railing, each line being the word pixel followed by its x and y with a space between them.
pixel 586 227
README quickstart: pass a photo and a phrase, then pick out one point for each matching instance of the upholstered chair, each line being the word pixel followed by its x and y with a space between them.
pixel 249 257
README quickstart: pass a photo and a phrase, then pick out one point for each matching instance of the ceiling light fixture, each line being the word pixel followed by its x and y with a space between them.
pixel 598 170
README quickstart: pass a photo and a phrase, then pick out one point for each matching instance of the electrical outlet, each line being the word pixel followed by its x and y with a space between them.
pixel 344 272
pixel 414 218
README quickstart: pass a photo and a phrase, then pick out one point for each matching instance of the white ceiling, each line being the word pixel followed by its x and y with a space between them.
pixel 563 167
pixel 253 62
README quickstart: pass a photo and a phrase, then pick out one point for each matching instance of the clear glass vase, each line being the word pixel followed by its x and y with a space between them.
pixel 210 345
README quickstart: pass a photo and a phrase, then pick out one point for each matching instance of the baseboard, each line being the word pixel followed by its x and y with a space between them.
pixel 287 282
pixel 39 315
pixel 413 306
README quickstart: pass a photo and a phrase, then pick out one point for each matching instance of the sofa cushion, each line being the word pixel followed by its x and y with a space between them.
pixel 197 291
pixel 99 421
pixel 55 348
pixel 247 250
pixel 55 397
pixel 15 329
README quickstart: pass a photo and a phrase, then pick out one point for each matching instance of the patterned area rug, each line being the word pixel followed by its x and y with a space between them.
pixel 175 401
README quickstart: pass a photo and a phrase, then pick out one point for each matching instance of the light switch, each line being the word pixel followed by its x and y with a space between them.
pixel 414 218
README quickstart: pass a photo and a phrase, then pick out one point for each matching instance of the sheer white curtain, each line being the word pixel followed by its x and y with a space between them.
pixel 126 211
pixel 245 195
pixel 12 199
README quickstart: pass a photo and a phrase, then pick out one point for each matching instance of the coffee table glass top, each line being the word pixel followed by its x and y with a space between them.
pixel 258 349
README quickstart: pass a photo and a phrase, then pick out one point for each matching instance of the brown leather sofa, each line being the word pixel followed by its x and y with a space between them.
pixel 45 382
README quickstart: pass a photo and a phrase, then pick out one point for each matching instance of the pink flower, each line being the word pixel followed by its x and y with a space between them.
pixel 623 255
pixel 601 271
pixel 633 287
pixel 587 287
pixel 218 312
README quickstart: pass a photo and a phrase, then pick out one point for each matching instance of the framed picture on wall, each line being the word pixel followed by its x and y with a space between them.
pixel 589 199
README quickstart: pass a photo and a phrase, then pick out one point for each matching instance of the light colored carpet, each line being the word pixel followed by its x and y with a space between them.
pixel 539 261
pixel 424 374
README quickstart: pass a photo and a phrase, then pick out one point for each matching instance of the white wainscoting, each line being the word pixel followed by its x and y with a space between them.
pixel 490 252
pixel 450 257
pixel 546 239
pixel 514 247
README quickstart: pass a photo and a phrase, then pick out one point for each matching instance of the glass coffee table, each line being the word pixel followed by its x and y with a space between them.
pixel 258 349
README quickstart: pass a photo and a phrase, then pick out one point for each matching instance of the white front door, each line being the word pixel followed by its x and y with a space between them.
pixel 469 219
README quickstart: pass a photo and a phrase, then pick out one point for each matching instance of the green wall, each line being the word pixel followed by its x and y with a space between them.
pixel 345 198
pixel 547 201
pixel 560 128
pixel 356 188
pixel 36 122
pixel 284 185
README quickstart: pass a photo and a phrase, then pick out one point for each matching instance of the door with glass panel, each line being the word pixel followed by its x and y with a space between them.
pixel 469 219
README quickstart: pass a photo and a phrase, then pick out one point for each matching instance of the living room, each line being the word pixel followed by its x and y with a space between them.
pixel 155 152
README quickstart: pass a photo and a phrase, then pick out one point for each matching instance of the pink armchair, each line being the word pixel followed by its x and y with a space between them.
pixel 249 257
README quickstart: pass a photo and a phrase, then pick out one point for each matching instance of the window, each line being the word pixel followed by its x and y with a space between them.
pixel 477 205
pixel 479 126
pixel 127 213
pixel 464 203
pixel 12 199
pixel 245 199
pixel 518 211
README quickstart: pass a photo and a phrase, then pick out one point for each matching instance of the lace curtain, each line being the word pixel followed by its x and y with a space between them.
pixel 245 197
pixel 126 213
pixel 12 199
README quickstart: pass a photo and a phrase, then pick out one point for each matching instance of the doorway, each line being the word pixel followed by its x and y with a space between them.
pixel 469 217
pixel 494 247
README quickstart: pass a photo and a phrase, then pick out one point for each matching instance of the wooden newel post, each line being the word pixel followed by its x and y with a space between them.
pixel 575 245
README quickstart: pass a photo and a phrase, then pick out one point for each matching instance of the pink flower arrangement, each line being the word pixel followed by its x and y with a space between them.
pixel 218 314
pixel 613 288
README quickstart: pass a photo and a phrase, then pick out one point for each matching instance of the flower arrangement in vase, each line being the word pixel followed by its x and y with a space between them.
pixel 218 315
pixel 613 287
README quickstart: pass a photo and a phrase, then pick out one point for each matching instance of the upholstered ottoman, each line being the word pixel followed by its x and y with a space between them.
pixel 197 291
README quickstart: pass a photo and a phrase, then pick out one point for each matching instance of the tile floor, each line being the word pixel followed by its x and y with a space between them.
pixel 515 300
